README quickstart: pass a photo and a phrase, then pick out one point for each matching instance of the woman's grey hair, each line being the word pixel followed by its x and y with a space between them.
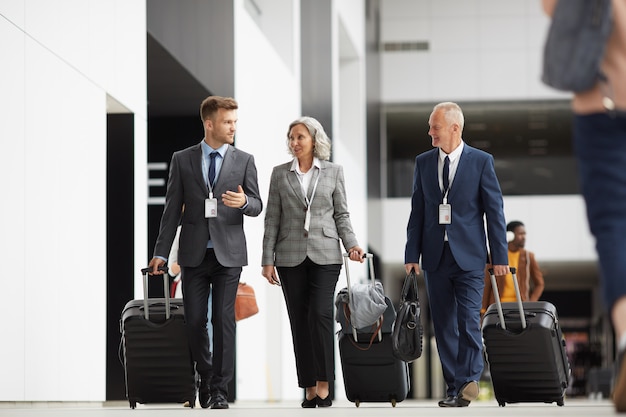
pixel 321 141
pixel 452 113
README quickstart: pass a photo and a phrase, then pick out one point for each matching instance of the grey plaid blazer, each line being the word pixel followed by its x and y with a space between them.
pixel 285 242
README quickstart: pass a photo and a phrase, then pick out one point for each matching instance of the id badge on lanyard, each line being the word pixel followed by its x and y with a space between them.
pixel 210 206
pixel 445 211
pixel 210 203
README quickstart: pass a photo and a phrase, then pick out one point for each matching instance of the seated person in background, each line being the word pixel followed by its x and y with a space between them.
pixel 529 276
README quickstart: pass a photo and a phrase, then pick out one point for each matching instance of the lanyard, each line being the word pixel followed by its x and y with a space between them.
pixel 205 168
pixel 307 217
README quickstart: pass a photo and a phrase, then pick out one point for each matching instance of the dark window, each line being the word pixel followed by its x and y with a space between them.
pixel 530 141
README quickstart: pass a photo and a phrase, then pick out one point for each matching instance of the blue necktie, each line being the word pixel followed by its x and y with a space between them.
pixel 446 174
pixel 212 155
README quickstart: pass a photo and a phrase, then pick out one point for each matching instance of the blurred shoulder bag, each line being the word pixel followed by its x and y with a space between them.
pixel 575 44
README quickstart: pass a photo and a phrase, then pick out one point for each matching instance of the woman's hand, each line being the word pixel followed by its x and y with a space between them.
pixel 356 254
pixel 269 272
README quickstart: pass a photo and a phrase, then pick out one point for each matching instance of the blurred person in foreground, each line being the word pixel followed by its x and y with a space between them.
pixel 599 134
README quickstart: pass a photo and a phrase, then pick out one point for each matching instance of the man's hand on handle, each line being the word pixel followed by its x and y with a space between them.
pixel 499 270
pixel 408 267
pixel 154 264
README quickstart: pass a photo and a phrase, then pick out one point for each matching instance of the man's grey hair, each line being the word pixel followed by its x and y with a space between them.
pixel 452 113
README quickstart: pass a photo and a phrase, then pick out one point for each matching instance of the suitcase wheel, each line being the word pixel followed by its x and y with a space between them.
pixel 357 403
pixel 133 404
pixel 393 402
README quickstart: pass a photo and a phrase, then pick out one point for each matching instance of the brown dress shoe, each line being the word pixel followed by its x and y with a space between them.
pixel 467 393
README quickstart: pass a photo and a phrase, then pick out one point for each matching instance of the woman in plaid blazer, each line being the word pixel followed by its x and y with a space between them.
pixel 302 241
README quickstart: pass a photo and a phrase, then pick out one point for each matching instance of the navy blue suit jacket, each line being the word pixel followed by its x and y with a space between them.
pixel 474 195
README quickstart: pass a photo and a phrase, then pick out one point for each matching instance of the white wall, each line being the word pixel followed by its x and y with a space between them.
pixel 557 226
pixel 478 50
pixel 54 87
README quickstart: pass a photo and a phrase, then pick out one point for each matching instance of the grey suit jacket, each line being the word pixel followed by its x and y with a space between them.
pixel 285 242
pixel 186 186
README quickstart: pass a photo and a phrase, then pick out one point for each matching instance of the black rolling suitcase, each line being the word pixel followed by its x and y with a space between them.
pixel 525 350
pixel 371 372
pixel 154 350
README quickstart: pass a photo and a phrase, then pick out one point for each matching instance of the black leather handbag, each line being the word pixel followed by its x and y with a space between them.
pixel 406 335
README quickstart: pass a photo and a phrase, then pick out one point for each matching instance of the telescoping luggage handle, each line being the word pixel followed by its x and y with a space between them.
pixel 166 284
pixel 518 297
pixel 370 259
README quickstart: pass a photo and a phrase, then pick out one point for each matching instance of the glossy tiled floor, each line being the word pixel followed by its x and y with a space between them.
pixel 341 408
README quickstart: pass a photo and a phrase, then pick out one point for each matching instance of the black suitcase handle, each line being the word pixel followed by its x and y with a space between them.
pixel 166 290
pixel 496 296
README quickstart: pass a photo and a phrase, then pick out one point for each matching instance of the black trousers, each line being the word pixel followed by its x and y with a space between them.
pixel 198 282
pixel 309 291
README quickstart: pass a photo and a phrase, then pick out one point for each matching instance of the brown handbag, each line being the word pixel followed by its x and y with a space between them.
pixel 245 302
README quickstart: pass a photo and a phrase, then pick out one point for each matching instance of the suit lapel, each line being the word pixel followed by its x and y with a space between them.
pixel 314 179
pixel 227 164
pixel 292 179
pixel 461 171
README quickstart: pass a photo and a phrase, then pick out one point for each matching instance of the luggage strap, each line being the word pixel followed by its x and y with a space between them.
pixel 376 327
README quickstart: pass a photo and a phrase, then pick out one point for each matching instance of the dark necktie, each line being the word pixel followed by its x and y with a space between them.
pixel 446 174
pixel 212 155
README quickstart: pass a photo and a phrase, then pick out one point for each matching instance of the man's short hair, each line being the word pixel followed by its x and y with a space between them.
pixel 513 225
pixel 212 104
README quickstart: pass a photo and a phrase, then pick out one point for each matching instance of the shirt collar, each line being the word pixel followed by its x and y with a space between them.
pixel 452 155
pixel 295 166
pixel 206 149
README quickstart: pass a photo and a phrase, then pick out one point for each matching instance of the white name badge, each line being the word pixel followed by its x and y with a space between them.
pixel 210 207
pixel 445 214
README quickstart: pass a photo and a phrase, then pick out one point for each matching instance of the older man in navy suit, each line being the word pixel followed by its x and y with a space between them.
pixel 455 189
pixel 217 185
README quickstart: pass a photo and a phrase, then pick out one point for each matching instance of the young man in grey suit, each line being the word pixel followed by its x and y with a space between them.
pixel 454 188
pixel 217 185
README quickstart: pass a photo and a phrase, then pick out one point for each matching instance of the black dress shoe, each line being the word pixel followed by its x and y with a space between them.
pixel 450 401
pixel 312 403
pixel 326 402
pixel 218 401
